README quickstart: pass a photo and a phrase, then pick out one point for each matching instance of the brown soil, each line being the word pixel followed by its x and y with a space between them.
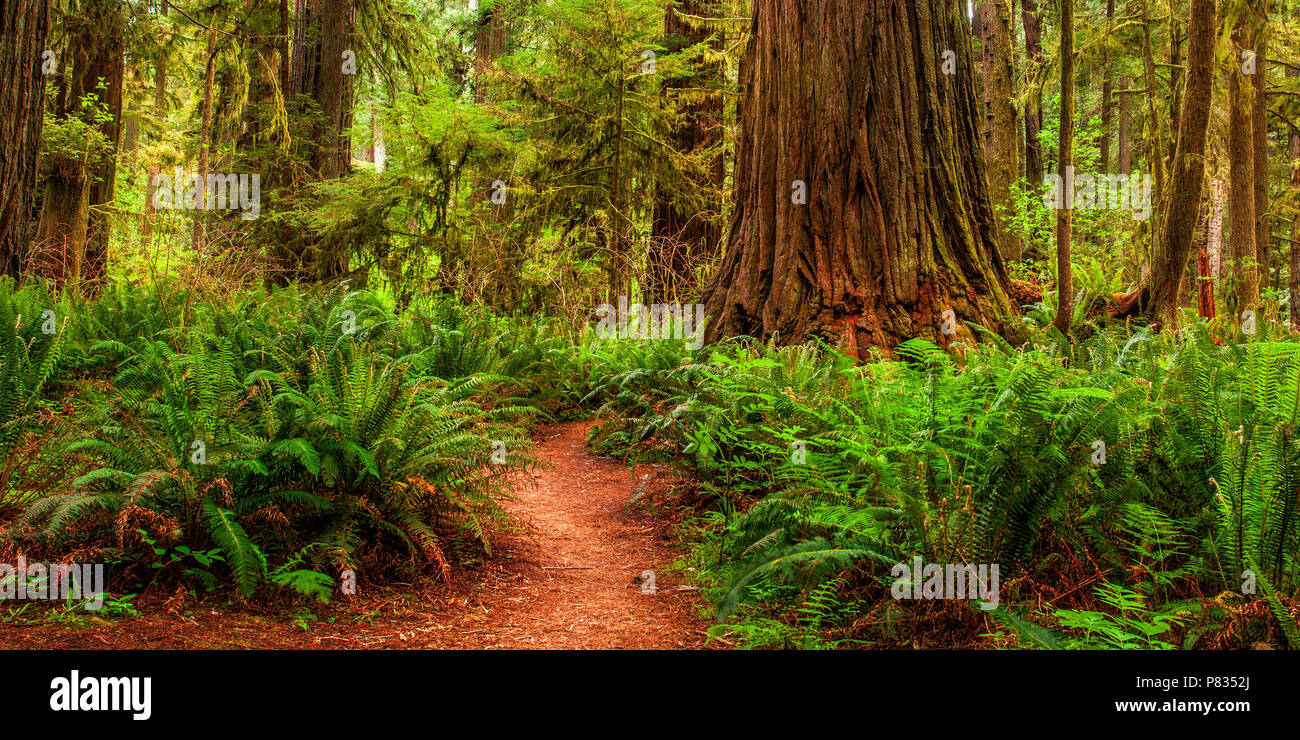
pixel 566 579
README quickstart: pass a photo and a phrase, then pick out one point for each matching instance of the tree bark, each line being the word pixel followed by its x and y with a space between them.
pixel 333 156
pixel 1124 152
pixel 199 237
pixel 1034 99
pixel 1065 144
pixel 1259 131
pixel 1000 151
pixel 1107 94
pixel 1295 222
pixel 1241 171
pixel 1159 296
pixel 489 46
pixel 848 98
pixel 75 228
pixel 22 90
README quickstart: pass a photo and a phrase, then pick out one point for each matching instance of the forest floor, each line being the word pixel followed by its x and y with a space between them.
pixel 566 577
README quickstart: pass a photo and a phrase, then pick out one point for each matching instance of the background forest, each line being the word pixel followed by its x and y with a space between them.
pixel 290 283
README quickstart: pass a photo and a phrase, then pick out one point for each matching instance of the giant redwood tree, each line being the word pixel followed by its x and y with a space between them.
pixel 21 86
pixel 850 103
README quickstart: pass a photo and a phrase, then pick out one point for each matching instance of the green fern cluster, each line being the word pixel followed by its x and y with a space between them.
pixel 318 431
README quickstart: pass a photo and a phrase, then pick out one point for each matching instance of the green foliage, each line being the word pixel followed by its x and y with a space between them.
pixel 321 431
pixel 1169 459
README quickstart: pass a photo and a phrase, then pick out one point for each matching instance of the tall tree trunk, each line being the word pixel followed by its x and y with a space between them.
pixel 333 156
pixel 22 90
pixel 1124 153
pixel 106 64
pixel 897 228
pixel 1065 144
pixel 1159 296
pixel 205 139
pixel 1259 131
pixel 1241 171
pixel 1214 231
pixel 1000 151
pixel 1155 134
pixel 1176 92
pixel 75 228
pixel 1034 97
pixel 160 111
pixel 682 238
pixel 1209 259
pixel 489 46
pixel 1107 94
pixel 286 57
pixel 1294 285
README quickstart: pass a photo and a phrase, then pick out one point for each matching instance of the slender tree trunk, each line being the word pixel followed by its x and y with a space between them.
pixel 205 140
pixel 1214 228
pixel 682 238
pixel 22 90
pixel 1124 147
pixel 1000 151
pixel 1209 260
pixel 1107 101
pixel 1294 281
pixel 1159 296
pixel 1065 144
pixel 897 228
pixel 286 56
pixel 1241 170
pixel 1176 91
pixel 107 63
pixel 1155 136
pixel 1259 131
pixel 1034 99
pixel 489 46
pixel 333 156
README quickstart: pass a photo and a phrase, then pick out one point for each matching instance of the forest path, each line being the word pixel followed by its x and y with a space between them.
pixel 569 575
pixel 565 578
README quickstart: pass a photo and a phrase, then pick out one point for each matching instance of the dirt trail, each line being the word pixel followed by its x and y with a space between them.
pixel 569 576
pixel 567 579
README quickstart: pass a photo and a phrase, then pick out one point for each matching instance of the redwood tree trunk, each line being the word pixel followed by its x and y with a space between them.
pixel 1000 150
pixel 74 227
pixel 333 156
pixel 848 98
pixel 1159 297
pixel 106 63
pixel 22 87
pixel 680 237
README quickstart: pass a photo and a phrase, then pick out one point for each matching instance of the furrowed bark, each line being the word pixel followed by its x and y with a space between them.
pixel 897 228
